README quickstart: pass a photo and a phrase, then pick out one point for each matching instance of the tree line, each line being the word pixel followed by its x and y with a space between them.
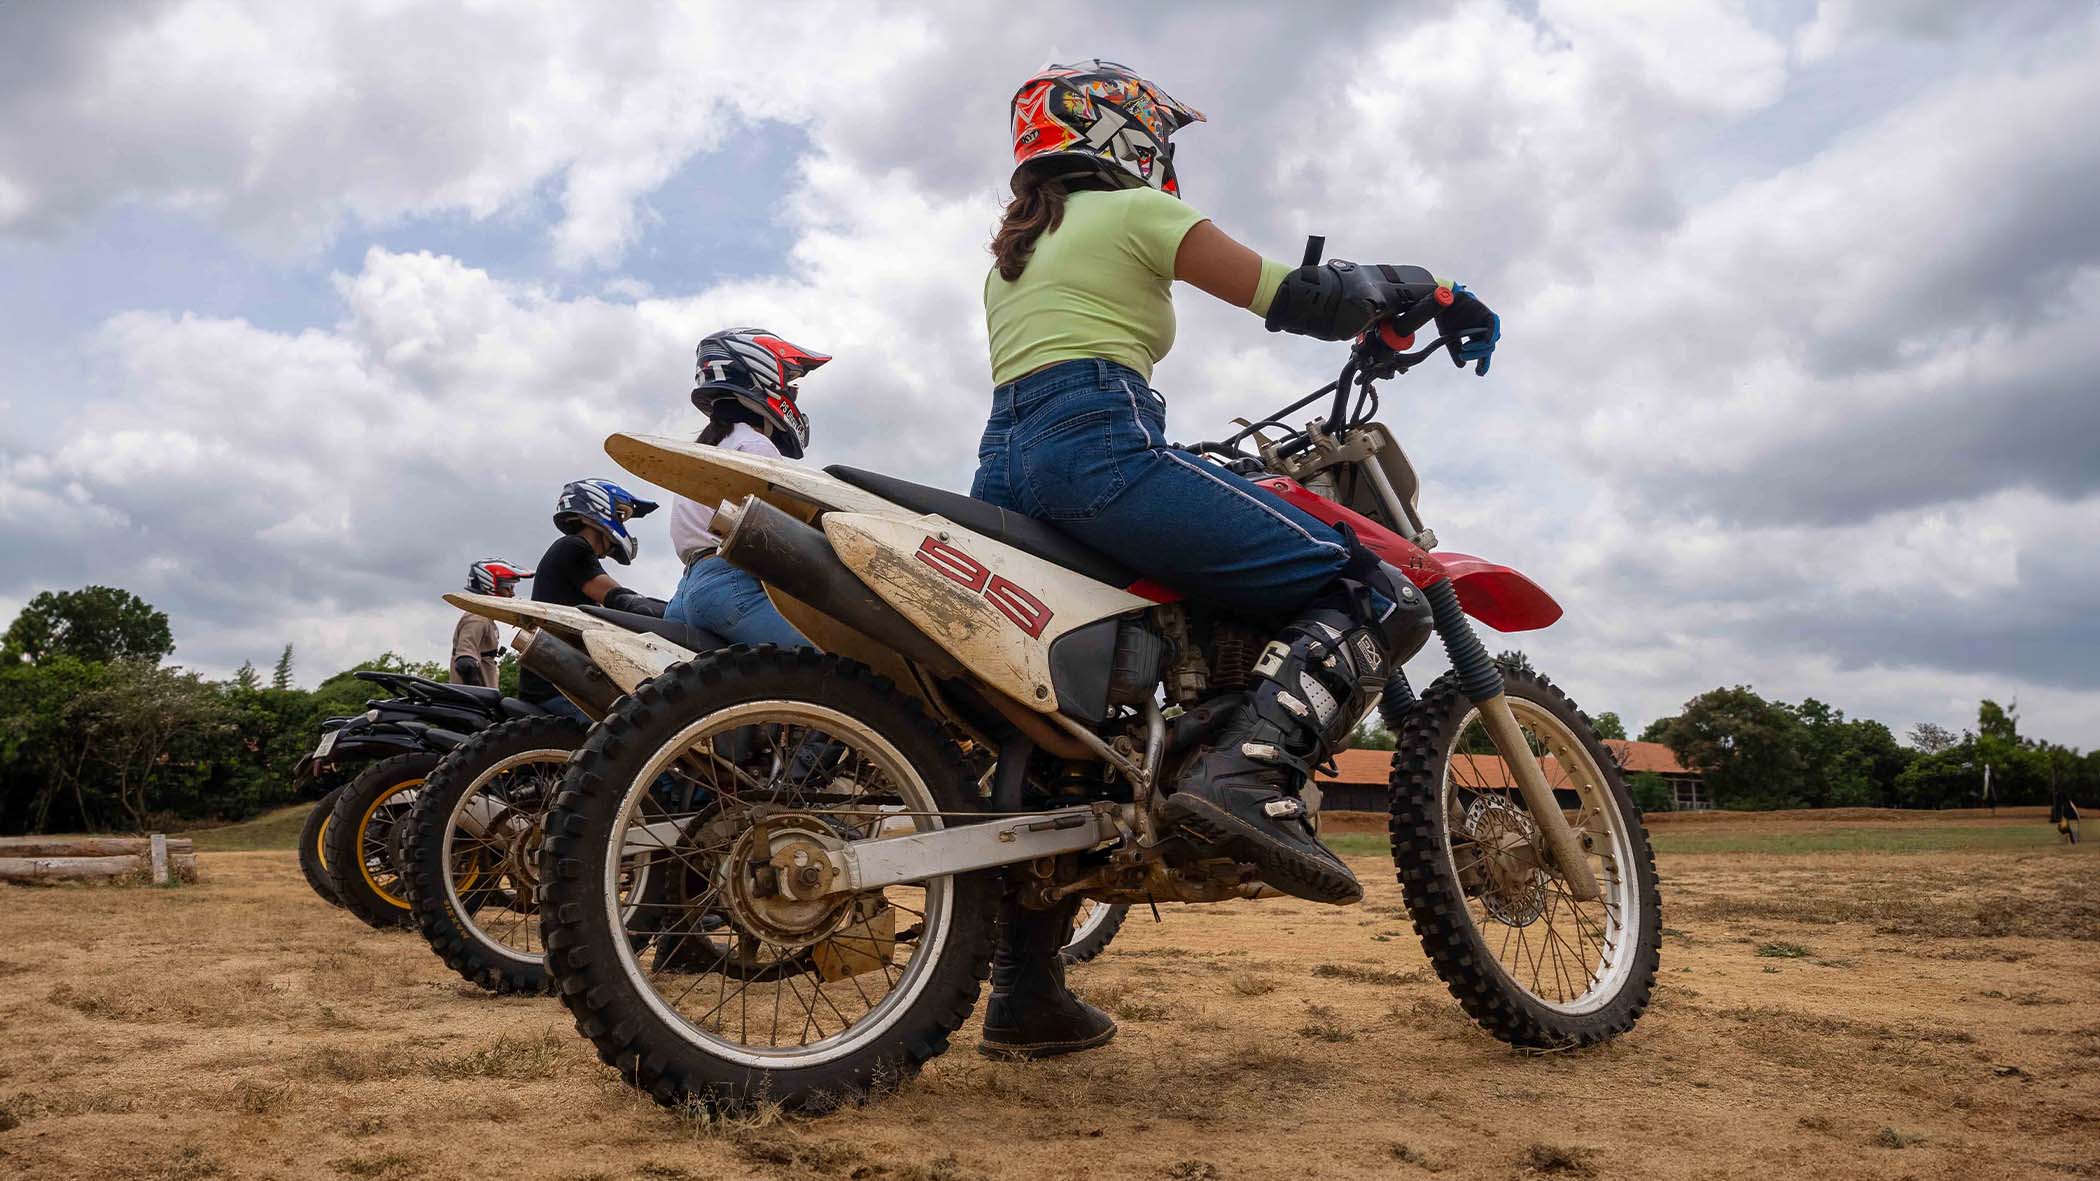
pixel 98 734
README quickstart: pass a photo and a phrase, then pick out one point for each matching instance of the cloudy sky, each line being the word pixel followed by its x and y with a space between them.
pixel 307 306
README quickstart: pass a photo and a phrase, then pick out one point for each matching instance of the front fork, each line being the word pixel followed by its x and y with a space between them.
pixel 1481 681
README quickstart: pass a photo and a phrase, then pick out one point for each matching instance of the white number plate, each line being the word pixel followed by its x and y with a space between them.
pixel 327 744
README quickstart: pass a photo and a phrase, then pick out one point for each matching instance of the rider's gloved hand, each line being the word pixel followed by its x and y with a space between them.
pixel 622 599
pixel 1470 330
pixel 1338 299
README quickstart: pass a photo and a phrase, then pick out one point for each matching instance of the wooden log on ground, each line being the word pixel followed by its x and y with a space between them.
pixel 70 869
pixel 182 867
pixel 86 846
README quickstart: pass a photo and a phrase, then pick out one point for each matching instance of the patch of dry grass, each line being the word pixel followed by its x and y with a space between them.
pixel 1359 974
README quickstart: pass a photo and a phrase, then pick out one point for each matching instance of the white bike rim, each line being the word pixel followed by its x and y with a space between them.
pixel 938 911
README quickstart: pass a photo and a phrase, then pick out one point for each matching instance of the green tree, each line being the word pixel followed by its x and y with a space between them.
pixel 93 624
pixel 1748 749
pixel 507 674
pixel 1372 735
pixel 1608 725
pixel 281 676
pixel 1932 739
pixel 1652 792
pixel 1513 661
pixel 246 676
pixel 1653 731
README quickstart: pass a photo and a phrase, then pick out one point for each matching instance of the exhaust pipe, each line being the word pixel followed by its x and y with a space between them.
pixel 782 551
pixel 567 668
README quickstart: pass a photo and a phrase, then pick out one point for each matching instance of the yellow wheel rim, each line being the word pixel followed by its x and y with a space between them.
pixel 364 864
pixel 321 844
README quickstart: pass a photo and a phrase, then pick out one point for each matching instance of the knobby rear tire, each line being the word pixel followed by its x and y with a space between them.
pixel 1090 938
pixel 437 909
pixel 1437 903
pixel 344 842
pixel 611 1011
pixel 313 864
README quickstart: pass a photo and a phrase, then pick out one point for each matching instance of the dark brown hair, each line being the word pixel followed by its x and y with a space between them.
pixel 724 415
pixel 1037 208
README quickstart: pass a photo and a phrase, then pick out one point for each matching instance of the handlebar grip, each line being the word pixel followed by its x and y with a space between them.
pixel 1435 300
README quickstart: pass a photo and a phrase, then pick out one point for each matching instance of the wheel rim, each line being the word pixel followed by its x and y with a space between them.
pixel 769 1004
pixel 508 803
pixel 374 840
pixel 321 844
pixel 1092 917
pixel 1572 957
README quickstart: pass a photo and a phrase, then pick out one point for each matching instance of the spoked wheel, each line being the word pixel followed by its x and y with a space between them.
pixel 473 851
pixel 1097 925
pixel 359 838
pixel 1531 964
pixel 737 978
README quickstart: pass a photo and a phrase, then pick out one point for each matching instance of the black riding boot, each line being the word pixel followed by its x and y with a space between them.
pixel 1031 1013
pixel 1239 792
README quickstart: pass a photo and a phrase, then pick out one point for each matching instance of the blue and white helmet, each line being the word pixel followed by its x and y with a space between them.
pixel 606 505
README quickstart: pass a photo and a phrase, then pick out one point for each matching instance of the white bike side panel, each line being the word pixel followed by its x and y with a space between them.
pixel 712 475
pixel 997 609
pixel 528 614
pixel 629 658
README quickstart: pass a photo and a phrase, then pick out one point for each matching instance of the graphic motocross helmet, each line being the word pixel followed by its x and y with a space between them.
pixel 606 505
pixel 758 370
pixel 495 576
pixel 1099 116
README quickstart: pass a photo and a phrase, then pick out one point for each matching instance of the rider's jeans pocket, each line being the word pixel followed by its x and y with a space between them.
pixel 1071 469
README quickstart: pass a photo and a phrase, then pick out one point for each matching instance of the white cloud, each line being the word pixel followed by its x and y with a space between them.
pixel 1817 430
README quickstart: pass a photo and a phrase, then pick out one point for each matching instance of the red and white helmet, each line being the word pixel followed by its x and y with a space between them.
pixel 1098 115
pixel 493 576
pixel 759 370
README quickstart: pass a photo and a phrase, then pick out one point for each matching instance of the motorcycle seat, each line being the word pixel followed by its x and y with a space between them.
pixel 514 707
pixel 692 639
pixel 481 697
pixel 1023 533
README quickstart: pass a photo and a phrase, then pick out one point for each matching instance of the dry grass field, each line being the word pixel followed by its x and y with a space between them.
pixel 1854 996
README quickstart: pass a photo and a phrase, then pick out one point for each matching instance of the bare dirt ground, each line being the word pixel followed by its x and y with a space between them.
pixel 1837 1013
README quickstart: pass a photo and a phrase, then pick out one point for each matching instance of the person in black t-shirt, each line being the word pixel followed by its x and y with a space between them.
pixel 593 516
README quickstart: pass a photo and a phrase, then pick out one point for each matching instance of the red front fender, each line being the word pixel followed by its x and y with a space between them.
pixel 1495 595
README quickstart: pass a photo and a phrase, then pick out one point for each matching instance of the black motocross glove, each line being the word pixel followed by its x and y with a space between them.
pixel 1338 299
pixel 466 671
pixel 634 602
pixel 1470 330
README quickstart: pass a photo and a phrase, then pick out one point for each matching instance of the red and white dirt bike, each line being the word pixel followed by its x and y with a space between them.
pixel 991 709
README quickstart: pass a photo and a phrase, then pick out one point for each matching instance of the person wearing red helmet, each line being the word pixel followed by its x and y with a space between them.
pixel 1079 308
pixel 744 378
pixel 477 647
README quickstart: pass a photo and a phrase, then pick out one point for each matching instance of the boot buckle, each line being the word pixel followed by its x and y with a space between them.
pixel 1284 808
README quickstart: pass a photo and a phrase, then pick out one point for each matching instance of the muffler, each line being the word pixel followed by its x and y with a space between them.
pixel 783 552
pixel 567 668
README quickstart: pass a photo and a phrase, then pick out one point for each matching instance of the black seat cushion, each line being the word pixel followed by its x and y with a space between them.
pixel 1022 533
pixel 479 696
pixel 692 639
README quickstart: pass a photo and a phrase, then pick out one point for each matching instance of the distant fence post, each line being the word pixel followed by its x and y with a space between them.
pixel 160 859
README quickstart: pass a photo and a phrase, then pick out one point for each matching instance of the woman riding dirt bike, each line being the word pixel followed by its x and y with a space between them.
pixel 997 686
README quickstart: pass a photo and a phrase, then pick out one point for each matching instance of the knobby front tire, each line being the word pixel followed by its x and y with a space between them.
pixel 1532 966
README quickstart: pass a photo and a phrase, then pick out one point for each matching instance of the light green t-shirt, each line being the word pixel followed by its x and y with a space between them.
pixel 1099 285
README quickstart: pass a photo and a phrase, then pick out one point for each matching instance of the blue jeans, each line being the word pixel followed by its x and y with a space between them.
pixel 729 602
pixel 562 707
pixel 1082 445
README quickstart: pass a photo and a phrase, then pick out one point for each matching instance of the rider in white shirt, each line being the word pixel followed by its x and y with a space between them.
pixel 745 382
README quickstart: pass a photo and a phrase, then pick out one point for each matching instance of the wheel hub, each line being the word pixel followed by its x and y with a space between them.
pixel 1509 842
pixel 776 880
